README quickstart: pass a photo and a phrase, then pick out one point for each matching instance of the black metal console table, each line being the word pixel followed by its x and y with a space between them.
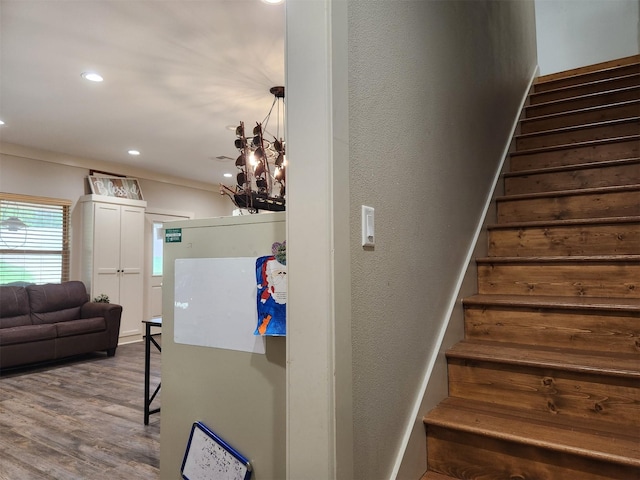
pixel 148 340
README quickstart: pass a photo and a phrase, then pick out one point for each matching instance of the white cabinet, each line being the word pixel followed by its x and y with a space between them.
pixel 113 256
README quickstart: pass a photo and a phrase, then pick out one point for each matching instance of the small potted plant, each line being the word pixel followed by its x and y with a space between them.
pixel 279 250
pixel 102 298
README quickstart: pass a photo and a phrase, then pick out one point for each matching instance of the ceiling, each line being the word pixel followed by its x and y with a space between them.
pixel 177 74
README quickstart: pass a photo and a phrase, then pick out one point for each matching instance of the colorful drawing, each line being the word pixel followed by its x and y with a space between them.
pixel 271 276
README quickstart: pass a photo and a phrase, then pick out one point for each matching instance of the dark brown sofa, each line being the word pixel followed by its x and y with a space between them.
pixel 48 322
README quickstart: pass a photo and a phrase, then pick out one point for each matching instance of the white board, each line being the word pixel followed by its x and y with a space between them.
pixel 215 303
pixel 208 457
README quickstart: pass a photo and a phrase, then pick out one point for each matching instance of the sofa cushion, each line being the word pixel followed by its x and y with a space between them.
pixel 56 302
pixel 14 307
pixel 80 327
pixel 26 334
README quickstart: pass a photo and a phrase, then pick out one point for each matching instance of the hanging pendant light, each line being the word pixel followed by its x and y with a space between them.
pixel 260 182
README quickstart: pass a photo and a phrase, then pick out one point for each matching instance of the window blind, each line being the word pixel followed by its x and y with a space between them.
pixel 34 239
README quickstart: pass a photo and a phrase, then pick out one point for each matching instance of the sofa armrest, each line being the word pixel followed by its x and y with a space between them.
pixel 111 313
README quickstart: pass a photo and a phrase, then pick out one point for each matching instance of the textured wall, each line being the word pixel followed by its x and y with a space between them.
pixel 433 91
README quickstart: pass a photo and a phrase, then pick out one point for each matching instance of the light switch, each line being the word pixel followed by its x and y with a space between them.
pixel 368 226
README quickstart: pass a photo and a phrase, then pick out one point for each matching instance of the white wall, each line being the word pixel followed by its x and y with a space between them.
pixel 47 174
pixel 319 414
pixel 576 33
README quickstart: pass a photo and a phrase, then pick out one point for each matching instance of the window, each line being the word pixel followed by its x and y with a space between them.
pixel 34 239
pixel 158 231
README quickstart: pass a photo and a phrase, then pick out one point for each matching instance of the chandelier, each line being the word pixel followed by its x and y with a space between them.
pixel 261 178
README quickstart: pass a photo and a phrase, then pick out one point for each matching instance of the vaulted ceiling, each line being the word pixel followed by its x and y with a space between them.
pixel 177 74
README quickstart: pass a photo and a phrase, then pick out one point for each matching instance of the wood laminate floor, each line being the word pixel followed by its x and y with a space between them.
pixel 80 419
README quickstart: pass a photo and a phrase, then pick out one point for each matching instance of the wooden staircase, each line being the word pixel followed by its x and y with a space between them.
pixel 546 383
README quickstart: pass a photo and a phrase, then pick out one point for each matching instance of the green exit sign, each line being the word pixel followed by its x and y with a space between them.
pixel 173 235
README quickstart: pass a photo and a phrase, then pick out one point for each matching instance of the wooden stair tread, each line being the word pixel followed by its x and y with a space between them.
pixel 588 424
pixel 583 96
pixel 585 71
pixel 610 364
pixel 589 143
pixel 573 128
pixel 436 476
pixel 570 303
pixel 566 223
pixel 526 428
pixel 588 83
pixel 565 193
pixel 580 110
pixel 571 167
pixel 580 96
pixel 562 259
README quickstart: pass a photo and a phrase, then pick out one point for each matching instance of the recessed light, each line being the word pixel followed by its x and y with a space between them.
pixel 228 175
pixel 133 152
pixel 92 76
pixel 273 2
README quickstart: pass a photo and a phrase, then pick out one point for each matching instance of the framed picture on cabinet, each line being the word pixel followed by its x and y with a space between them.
pixel 120 187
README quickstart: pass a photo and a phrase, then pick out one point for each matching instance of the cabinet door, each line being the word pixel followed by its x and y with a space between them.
pixel 106 249
pixel 131 269
pixel 132 240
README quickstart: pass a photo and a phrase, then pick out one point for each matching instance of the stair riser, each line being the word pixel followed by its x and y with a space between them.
pixel 567 329
pixel 582 102
pixel 618 239
pixel 599 176
pixel 618 150
pixel 603 398
pixel 566 207
pixel 630 69
pixel 606 113
pixel 472 456
pixel 580 279
pixel 585 89
pixel 619 129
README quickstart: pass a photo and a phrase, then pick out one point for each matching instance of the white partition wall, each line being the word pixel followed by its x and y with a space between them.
pixel 235 390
